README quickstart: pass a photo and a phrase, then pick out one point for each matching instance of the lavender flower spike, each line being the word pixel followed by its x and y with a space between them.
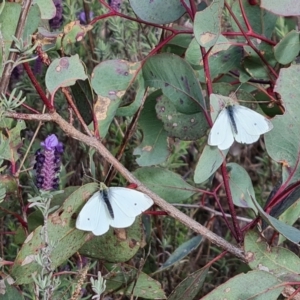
pixel 47 163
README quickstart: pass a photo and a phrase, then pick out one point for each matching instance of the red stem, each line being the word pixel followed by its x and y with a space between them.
pixel 252 34
pixel 236 227
pixel 272 71
pixel 224 217
pixel 37 87
pixel 245 17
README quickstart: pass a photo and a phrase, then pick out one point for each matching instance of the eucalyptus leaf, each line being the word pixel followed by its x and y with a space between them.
pixel 181 252
pixel 177 80
pixel 165 183
pixel 279 261
pixel 264 286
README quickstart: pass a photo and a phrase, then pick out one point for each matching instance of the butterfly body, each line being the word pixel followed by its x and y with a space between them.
pixel 105 197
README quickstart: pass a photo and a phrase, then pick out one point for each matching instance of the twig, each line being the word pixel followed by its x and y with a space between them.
pixel 170 209
pixel 215 212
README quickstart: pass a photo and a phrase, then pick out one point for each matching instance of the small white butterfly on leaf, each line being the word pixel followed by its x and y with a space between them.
pixel 237 122
pixel 115 206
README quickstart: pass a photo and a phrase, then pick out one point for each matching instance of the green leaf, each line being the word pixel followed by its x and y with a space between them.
pixel 287 231
pixel 64 72
pixel 288 48
pixel 283 8
pixel 181 252
pixel 219 63
pixel 281 262
pixel 158 12
pixel 264 286
pixel 207 25
pixel 261 21
pixel 73 32
pixel 193 54
pixel 61 231
pixel 286 203
pixel 116 245
pixel 166 184
pixel 190 286
pixel 291 214
pixel 128 280
pixel 11 292
pixel 177 80
pixel 11 143
pixel 209 161
pixel 240 186
pixel 35 218
pixel 131 109
pixel 47 8
pixel 180 40
pixel 283 141
pixel 8 23
pixel 182 126
pixel 154 147
pixel 110 80
pixel 252 62
pixel 83 96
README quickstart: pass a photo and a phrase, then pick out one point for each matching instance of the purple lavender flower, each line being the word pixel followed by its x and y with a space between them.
pixel 47 163
pixel 38 65
pixel 115 4
pixel 56 22
pixel 82 17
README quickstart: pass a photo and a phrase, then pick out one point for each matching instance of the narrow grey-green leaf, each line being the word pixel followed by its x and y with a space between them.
pixel 181 252
pixel 83 96
pixel 190 286
pixel 290 216
pixel 288 231
pixel 240 186
pixel 210 160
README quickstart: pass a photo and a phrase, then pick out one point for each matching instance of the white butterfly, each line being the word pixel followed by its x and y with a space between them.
pixel 236 122
pixel 116 207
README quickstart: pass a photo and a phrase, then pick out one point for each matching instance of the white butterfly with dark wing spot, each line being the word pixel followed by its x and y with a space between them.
pixel 116 207
pixel 236 122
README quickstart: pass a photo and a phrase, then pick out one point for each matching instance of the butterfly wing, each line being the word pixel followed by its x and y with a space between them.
pixel 94 216
pixel 252 122
pixel 127 204
pixel 221 134
pixel 244 137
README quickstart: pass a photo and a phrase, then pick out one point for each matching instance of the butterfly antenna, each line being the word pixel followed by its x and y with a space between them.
pixel 86 175
pixel 108 173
